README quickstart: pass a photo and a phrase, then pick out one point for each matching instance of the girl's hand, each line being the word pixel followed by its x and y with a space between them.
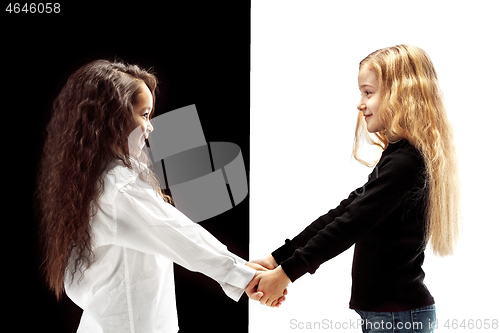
pixel 256 266
pixel 273 284
pixel 269 262
pixel 251 288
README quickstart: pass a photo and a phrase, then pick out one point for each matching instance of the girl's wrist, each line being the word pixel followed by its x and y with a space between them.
pixel 272 261
pixel 282 274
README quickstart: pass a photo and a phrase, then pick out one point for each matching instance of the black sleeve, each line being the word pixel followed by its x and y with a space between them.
pixel 286 251
pixel 395 174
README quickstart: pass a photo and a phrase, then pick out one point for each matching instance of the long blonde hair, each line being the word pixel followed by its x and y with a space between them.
pixel 412 108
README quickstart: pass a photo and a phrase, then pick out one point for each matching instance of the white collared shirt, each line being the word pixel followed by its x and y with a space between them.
pixel 136 237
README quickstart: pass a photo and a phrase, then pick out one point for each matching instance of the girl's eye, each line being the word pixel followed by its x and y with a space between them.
pixel 146 115
pixel 367 93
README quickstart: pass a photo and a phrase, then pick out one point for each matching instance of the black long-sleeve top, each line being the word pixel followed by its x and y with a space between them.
pixel 385 218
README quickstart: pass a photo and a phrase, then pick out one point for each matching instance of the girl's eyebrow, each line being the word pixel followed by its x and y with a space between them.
pixel 366 85
pixel 146 108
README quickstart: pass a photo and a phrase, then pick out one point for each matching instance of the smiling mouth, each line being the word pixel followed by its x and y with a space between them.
pixel 145 141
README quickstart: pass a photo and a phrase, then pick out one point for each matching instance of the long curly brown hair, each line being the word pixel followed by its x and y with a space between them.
pixel 89 128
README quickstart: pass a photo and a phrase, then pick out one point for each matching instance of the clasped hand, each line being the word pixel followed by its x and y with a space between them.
pixel 269 283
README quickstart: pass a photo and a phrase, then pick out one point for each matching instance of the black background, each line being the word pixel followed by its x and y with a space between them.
pixel 200 51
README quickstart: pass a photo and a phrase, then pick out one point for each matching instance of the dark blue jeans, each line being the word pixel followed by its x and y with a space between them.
pixel 421 320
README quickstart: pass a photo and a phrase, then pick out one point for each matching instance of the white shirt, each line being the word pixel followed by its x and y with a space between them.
pixel 136 237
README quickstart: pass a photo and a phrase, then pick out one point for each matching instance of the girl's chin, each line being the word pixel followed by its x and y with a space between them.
pixel 137 150
pixel 372 129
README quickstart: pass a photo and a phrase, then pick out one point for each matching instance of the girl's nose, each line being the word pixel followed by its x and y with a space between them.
pixel 150 127
pixel 361 106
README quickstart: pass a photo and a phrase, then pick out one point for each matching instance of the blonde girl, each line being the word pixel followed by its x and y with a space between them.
pixel 411 199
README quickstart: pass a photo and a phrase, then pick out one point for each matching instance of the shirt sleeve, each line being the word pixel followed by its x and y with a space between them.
pixel 338 230
pixel 286 251
pixel 144 222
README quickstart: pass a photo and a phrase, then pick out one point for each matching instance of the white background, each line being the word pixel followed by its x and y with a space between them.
pixel 304 64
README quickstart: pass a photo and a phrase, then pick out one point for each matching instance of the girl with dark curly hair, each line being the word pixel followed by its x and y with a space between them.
pixel 110 236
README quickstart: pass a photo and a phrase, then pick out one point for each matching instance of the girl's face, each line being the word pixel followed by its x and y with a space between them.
pixel 370 98
pixel 142 112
